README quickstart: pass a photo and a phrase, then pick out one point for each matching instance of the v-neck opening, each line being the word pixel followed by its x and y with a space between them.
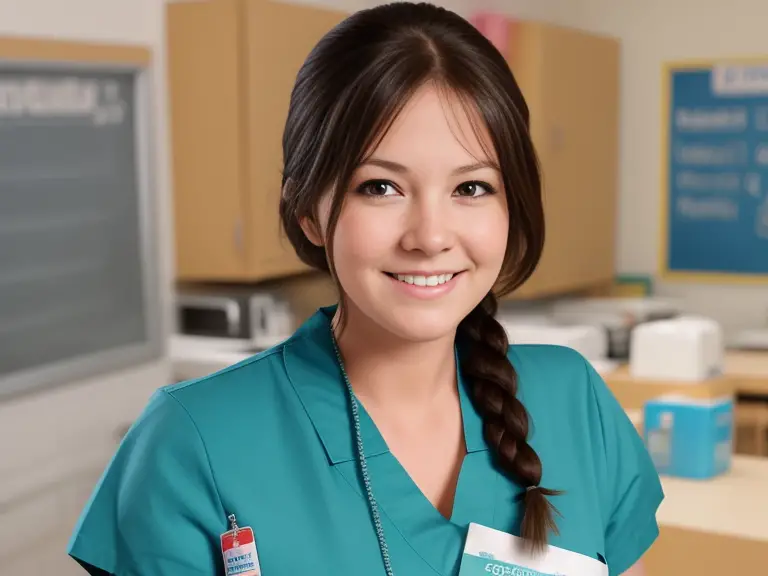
pixel 315 375
pixel 467 413
pixel 438 540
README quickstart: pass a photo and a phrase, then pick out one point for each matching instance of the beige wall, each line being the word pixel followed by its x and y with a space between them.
pixel 652 32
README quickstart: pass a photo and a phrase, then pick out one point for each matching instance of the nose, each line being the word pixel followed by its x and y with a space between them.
pixel 429 229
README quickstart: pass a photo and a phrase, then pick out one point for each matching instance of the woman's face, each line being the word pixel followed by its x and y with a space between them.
pixel 422 234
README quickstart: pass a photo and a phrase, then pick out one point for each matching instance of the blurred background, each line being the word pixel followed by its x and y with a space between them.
pixel 139 240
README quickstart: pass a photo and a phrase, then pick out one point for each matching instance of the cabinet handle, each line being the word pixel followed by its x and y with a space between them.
pixel 238 236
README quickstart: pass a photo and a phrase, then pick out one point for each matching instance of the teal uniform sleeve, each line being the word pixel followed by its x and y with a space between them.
pixel 156 510
pixel 632 488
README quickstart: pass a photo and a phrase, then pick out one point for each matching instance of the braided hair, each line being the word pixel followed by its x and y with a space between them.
pixel 505 421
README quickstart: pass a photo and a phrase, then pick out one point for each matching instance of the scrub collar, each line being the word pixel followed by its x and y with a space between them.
pixel 314 373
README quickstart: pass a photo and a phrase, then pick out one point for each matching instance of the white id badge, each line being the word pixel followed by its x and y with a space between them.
pixel 238 548
pixel 495 553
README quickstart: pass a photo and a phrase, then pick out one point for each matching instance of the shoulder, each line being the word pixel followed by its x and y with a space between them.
pixel 248 382
pixel 545 358
pixel 169 458
pixel 262 364
pixel 256 398
pixel 558 384
pixel 548 371
pixel 574 407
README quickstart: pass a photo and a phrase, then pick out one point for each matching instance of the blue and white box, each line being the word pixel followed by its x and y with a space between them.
pixel 690 437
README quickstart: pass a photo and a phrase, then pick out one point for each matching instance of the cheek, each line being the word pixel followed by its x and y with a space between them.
pixel 362 238
pixel 487 237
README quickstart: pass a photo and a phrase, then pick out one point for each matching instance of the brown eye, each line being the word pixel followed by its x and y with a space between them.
pixel 377 188
pixel 474 189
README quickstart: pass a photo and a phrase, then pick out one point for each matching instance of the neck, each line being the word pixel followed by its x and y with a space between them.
pixel 395 373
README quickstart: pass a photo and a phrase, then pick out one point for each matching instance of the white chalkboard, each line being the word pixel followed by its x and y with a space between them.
pixel 78 270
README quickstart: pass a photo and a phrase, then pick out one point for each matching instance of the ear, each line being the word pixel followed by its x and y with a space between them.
pixel 311 231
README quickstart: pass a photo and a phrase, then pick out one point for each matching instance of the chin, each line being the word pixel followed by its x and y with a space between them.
pixel 419 325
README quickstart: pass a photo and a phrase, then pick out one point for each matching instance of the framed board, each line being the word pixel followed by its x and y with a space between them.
pixel 715 171
pixel 79 284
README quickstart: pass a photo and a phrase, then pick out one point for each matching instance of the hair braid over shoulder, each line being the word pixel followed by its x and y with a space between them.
pixel 505 421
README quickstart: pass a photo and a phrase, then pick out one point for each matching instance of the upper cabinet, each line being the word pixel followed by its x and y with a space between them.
pixel 206 101
pixel 278 38
pixel 570 80
pixel 232 65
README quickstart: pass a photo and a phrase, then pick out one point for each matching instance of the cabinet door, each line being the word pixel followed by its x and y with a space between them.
pixel 571 80
pixel 205 102
pixel 279 38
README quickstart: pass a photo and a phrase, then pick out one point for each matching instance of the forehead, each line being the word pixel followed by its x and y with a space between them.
pixel 436 129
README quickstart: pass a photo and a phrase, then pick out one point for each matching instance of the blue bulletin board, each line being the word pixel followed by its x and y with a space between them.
pixel 715 171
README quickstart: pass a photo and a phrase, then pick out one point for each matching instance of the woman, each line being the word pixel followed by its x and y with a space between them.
pixel 375 436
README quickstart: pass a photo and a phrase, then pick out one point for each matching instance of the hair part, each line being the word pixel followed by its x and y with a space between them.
pixel 351 88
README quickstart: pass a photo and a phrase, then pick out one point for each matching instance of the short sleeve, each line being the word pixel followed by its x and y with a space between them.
pixel 156 510
pixel 632 490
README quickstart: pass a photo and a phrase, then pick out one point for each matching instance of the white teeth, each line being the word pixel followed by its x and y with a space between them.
pixel 424 280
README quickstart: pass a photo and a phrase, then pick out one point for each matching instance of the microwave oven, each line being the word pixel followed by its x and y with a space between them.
pixel 258 319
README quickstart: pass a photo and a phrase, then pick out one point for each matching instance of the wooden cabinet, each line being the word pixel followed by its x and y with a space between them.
pixel 231 68
pixel 570 80
pixel 232 64
pixel 206 100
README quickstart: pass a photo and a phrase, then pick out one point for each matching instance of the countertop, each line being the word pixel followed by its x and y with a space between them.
pixel 749 370
pixel 734 504
pixel 744 372
pixel 747 364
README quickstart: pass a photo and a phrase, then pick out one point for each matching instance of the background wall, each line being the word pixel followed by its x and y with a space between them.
pixel 653 32
pixel 53 444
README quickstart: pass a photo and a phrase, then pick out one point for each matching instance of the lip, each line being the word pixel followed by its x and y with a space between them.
pixel 425 292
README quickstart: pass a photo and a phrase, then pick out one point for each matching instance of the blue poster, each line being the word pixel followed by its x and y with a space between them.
pixel 717 170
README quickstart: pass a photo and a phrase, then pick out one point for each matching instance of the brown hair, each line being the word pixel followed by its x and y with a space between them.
pixel 347 94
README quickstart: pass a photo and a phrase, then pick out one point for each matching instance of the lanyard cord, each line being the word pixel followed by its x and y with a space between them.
pixel 364 465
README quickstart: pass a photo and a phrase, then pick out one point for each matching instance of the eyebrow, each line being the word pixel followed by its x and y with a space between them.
pixel 400 169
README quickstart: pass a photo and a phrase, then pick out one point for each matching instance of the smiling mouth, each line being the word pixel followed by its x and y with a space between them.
pixel 422 280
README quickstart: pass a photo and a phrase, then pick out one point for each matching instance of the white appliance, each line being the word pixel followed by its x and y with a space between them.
pixel 590 341
pixel 754 339
pixel 251 319
pixel 617 316
pixel 686 348
pixel 219 326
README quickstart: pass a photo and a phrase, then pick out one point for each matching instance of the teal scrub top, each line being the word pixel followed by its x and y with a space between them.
pixel 271 440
